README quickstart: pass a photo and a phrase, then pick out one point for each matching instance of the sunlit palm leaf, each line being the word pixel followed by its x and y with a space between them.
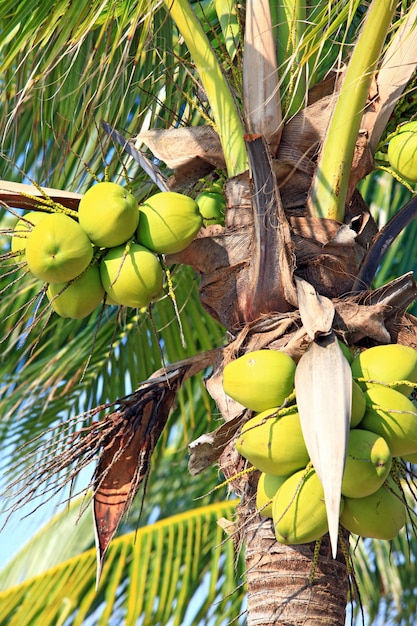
pixel 157 574
pixel 47 548
pixel 78 62
pixel 310 43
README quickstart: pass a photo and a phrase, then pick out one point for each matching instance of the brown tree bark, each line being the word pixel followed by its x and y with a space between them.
pixel 283 587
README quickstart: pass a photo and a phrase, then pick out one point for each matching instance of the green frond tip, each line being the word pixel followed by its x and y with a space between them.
pixel 330 183
pixel 226 116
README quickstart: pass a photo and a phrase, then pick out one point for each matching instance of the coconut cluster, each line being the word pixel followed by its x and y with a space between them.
pixel 383 427
pixel 110 251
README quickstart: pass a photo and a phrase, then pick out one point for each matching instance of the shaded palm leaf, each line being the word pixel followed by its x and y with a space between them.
pixel 386 196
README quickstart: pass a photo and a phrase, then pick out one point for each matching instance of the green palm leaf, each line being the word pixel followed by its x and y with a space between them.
pixel 74 59
pixel 153 574
pixel 77 366
pixel 386 196
pixel 47 549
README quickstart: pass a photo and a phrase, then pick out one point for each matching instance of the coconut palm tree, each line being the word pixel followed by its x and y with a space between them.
pixel 285 107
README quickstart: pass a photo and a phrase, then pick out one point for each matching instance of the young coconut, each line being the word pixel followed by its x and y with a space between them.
pixel 392 416
pixel 58 249
pixel 168 222
pixel 78 298
pixel 212 207
pixel 386 364
pixel 368 463
pixel 268 485
pixel 402 152
pixel 358 405
pixel 131 275
pixel 260 380
pixel 274 445
pixel 109 214
pixel 298 509
pixel 380 515
pixel 22 231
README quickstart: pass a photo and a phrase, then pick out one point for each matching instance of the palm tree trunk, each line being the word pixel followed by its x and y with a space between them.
pixel 282 590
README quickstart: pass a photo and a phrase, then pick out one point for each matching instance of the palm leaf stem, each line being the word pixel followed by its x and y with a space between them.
pixel 261 96
pixel 227 14
pixel 330 182
pixel 224 110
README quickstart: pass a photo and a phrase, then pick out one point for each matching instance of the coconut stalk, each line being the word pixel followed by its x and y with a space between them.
pixel 330 183
pixel 261 96
pixel 226 117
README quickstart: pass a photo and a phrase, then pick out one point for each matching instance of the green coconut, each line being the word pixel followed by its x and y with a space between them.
pixel 298 509
pixel 212 207
pixel 109 214
pixel 134 279
pixel 386 364
pixel 358 405
pixel 380 515
pixel 168 222
pixel 267 487
pixel 368 463
pixel 273 444
pixel 58 249
pixel 78 298
pixel 260 380
pixel 402 152
pixel 393 416
pixel 22 231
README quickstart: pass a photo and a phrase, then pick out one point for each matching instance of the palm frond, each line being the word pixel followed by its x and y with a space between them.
pixel 386 576
pixel 78 366
pixel 176 567
pixel 47 548
pixel 311 42
pixel 69 62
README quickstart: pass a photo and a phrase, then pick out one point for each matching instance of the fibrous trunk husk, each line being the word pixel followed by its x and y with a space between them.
pixel 246 268
pixel 280 592
pixel 325 252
